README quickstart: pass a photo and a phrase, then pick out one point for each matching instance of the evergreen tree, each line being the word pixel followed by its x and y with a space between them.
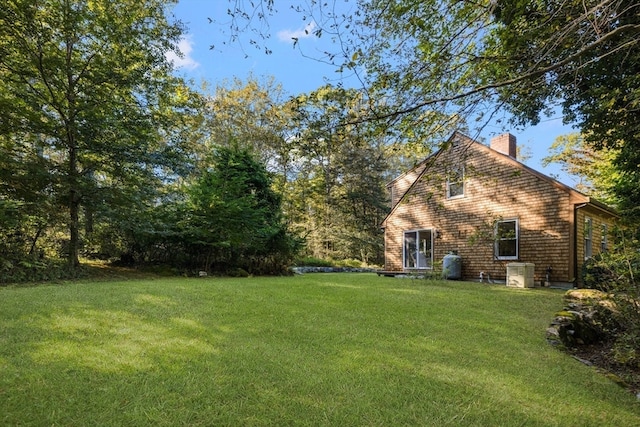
pixel 233 218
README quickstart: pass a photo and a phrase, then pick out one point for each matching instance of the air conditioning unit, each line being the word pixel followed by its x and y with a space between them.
pixel 520 275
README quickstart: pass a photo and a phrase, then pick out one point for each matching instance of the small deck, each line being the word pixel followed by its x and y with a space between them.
pixel 388 273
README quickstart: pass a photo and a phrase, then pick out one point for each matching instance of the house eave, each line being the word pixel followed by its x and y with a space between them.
pixel 600 207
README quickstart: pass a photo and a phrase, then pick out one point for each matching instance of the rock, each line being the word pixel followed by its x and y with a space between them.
pixel 589 316
pixel 583 295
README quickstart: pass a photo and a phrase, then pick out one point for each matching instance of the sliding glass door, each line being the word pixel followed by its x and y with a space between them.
pixel 418 249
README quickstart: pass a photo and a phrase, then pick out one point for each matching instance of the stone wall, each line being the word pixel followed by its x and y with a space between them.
pixel 588 317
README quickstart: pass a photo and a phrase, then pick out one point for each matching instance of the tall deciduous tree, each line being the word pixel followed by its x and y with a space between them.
pixel 84 88
pixel 328 173
pixel 254 114
pixel 584 55
pixel 339 191
pixel 592 169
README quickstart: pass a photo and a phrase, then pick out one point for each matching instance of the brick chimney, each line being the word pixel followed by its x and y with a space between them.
pixel 505 144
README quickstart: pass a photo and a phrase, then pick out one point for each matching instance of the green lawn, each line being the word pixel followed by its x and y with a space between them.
pixel 319 349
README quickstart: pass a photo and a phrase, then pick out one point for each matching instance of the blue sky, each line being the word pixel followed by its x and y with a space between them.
pixel 293 71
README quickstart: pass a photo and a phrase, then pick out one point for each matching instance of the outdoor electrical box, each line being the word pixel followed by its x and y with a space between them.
pixel 520 275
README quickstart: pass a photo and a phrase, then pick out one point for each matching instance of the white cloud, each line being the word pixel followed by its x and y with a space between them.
pixel 301 33
pixel 185 47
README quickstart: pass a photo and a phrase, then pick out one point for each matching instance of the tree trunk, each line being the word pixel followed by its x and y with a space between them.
pixel 74 209
pixel 74 196
pixel 88 220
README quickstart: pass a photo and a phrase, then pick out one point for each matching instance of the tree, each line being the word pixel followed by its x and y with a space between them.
pixel 412 58
pixel 593 169
pixel 27 196
pixel 585 56
pixel 255 115
pixel 441 52
pixel 328 174
pixel 438 64
pixel 362 201
pixel 85 85
pixel 339 197
pixel 232 218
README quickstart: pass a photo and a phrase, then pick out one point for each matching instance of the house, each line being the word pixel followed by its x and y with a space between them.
pixel 480 203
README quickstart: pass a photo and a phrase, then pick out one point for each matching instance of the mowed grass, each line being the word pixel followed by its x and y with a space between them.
pixel 319 349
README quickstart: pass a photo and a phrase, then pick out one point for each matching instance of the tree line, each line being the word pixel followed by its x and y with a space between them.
pixel 439 64
pixel 106 153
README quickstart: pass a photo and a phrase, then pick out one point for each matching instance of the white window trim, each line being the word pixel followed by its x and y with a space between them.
pixel 404 246
pixel 449 182
pixel 496 247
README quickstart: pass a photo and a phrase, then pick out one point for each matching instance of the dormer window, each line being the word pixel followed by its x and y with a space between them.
pixel 455 183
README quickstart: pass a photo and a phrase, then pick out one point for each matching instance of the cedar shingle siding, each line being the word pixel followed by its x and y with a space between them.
pixel 550 215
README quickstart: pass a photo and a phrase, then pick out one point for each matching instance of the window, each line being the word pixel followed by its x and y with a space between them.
pixel 418 249
pixel 455 183
pixel 588 238
pixel 603 239
pixel 507 235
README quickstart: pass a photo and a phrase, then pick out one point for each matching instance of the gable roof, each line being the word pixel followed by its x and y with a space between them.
pixel 423 167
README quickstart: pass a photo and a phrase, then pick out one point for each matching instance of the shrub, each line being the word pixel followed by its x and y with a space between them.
pixel 313 262
pixel 600 272
pixel 40 270
pixel 353 263
pixel 616 272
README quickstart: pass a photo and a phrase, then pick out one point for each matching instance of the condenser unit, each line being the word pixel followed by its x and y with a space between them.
pixel 520 275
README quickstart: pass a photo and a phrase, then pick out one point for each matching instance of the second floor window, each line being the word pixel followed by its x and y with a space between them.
pixel 455 183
